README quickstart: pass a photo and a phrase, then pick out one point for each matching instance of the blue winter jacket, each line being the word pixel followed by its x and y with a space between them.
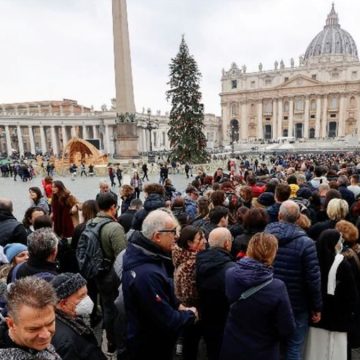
pixel 297 265
pixel 255 326
pixel 154 322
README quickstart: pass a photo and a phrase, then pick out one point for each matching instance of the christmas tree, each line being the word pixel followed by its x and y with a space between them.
pixel 187 140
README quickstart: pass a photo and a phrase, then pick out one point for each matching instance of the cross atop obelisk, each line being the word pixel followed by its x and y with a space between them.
pixel 126 127
pixel 123 74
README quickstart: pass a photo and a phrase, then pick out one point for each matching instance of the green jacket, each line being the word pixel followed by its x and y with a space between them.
pixel 112 237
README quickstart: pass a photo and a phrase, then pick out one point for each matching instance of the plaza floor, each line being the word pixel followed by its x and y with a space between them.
pixel 83 188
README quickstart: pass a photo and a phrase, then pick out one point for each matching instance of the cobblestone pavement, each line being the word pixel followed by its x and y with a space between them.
pixel 84 188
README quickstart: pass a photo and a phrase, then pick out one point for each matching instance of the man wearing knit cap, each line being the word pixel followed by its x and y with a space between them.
pixel 73 339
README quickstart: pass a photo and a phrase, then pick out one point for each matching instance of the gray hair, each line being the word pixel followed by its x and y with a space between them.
pixel 301 178
pixel 219 236
pixel 31 291
pixel 103 182
pixel 342 180
pixel 6 204
pixel 42 243
pixel 289 211
pixel 156 220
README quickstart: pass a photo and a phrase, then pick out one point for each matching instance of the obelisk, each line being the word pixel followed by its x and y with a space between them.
pixel 126 129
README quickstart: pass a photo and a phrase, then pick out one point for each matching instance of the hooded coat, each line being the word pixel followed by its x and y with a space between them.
pixel 154 322
pixel 152 202
pixel 297 265
pixel 211 266
pixel 256 325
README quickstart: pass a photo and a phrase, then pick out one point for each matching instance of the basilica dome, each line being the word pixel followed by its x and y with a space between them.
pixel 332 43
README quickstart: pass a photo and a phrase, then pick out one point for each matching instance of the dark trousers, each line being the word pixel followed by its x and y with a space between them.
pixel 191 338
pixel 108 290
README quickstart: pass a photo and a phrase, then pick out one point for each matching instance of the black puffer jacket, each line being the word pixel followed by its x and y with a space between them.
pixel 11 230
pixel 297 265
pixel 153 201
pixel 211 266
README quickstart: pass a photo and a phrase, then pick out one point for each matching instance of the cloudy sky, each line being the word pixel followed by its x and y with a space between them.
pixel 55 49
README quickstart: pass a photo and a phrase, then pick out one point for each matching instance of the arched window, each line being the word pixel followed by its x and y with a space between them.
pixel 285 132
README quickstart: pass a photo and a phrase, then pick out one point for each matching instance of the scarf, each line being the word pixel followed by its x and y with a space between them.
pixel 22 354
pixel 77 324
pixel 331 285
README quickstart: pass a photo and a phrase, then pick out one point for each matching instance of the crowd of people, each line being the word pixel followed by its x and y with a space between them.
pixel 256 261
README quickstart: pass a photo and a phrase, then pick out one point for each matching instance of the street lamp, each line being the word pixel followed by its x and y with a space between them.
pixel 114 138
pixel 150 126
pixel 234 134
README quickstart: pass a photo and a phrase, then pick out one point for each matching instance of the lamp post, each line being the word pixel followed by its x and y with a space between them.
pixel 150 126
pixel 114 138
pixel 234 135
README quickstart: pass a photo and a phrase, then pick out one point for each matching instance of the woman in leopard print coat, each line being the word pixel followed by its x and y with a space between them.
pixel 190 242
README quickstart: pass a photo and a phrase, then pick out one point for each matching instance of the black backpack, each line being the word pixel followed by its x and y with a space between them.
pixel 89 252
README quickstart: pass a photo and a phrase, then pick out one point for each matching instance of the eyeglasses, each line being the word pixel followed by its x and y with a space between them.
pixel 174 231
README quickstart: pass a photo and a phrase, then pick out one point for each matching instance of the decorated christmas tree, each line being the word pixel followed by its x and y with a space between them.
pixel 187 140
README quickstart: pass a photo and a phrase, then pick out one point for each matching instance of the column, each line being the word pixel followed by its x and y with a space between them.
pixel 260 130
pixel 306 118
pixel 73 132
pixel 64 136
pixel 244 121
pixel 280 117
pixel 291 117
pixel 32 141
pixel 85 132
pixel 54 143
pixel 107 139
pixel 95 132
pixel 8 140
pixel 61 110
pixel 274 119
pixel 324 117
pixel 341 131
pixel 43 140
pixel 20 140
pixel 318 117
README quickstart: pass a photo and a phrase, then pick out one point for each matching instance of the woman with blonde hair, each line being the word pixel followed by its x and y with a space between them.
pixel 337 209
pixel 260 314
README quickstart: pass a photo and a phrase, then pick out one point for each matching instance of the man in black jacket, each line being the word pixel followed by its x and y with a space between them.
pixel 126 218
pixel 211 266
pixel 11 230
pixel 73 339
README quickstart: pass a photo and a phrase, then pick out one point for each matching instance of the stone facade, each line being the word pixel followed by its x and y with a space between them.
pixel 318 98
pixel 47 126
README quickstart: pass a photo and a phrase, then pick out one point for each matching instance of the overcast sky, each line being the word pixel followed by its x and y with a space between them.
pixel 55 49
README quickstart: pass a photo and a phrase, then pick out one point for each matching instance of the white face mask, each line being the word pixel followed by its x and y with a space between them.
pixel 85 306
pixel 226 202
